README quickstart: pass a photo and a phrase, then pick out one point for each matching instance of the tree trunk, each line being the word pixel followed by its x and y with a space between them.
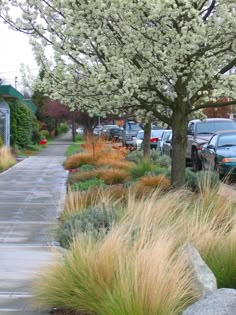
pixel 146 140
pixel 73 126
pixel 179 145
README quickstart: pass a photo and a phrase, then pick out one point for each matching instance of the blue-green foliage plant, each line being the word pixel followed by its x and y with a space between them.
pixel 162 161
pixel 88 184
pixel 95 220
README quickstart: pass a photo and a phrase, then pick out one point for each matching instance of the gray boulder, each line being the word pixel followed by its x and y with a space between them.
pixel 220 302
pixel 204 279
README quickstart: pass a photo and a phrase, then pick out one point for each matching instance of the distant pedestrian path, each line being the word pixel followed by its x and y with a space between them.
pixel 31 196
pixel 58 147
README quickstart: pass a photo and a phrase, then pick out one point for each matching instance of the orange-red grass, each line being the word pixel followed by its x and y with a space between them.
pixel 114 163
pixel 76 160
pixel 147 184
pixel 82 176
pixel 113 176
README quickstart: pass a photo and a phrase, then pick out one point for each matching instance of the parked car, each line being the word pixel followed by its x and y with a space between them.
pixel 154 139
pixel 130 130
pixel 114 134
pixel 219 153
pixel 80 131
pixel 167 146
pixel 138 140
pixel 164 137
pixel 97 131
pixel 200 132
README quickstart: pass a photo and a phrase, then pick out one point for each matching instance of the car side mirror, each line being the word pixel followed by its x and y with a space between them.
pixel 211 146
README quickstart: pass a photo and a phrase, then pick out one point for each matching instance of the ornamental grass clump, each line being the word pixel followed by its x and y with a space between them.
pixel 76 201
pixel 82 176
pixel 115 163
pixel 148 184
pixel 119 274
pixel 141 169
pixel 77 160
pixel 162 161
pixel 6 158
pixel 138 266
pixel 113 176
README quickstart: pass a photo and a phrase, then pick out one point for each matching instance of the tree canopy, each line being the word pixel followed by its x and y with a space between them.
pixel 166 58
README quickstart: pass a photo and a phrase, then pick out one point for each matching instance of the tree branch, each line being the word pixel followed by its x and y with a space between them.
pixel 216 104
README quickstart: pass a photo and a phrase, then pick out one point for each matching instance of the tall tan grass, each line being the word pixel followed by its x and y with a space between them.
pixel 139 266
pixel 115 276
pixel 76 200
pixel 6 158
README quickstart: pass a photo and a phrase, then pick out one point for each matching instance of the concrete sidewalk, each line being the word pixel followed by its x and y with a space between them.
pixel 31 197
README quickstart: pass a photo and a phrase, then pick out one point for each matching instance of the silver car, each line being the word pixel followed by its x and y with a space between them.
pixel 167 146
pixel 165 135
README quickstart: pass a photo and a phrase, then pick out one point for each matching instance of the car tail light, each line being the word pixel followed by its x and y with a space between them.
pixel 154 140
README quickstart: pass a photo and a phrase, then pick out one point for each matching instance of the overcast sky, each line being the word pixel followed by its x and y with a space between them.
pixel 14 50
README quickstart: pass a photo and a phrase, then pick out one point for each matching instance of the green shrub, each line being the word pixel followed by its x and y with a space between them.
pixel 209 179
pixel 36 136
pixel 88 184
pixel 135 156
pixel 160 160
pixel 86 167
pixel 79 138
pixel 155 157
pixel 197 181
pixel 94 219
pixel 141 169
pixel 23 122
pixel 44 134
pixel 191 179
pixel 62 128
pixel 221 259
pixel 160 171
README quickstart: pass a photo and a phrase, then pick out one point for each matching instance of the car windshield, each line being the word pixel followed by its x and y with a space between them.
pixel 166 135
pixel 109 126
pixel 206 127
pixel 133 126
pixel 228 140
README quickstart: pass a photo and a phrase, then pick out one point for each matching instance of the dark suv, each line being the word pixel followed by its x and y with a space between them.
pixel 130 130
pixel 200 132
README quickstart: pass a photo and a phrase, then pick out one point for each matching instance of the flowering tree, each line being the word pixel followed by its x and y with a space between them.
pixel 166 58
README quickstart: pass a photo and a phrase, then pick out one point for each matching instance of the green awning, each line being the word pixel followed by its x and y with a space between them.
pixel 8 91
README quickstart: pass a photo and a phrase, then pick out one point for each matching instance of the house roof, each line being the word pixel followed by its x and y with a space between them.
pixel 8 91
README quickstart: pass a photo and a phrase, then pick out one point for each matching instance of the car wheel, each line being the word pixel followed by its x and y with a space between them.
pixel 196 162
